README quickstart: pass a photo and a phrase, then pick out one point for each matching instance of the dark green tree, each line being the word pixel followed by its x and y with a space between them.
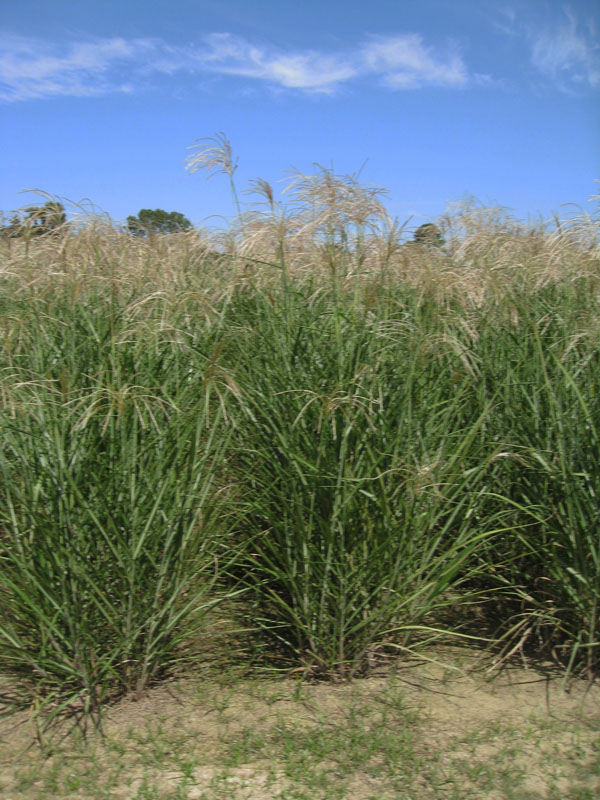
pixel 429 234
pixel 156 220
pixel 37 220
pixel 12 229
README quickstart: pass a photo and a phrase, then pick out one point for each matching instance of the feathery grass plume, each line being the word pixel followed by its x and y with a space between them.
pixel 266 232
pixel 214 155
pixel 337 211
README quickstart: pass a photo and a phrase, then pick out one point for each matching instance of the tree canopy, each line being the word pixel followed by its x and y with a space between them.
pixel 156 220
pixel 37 220
pixel 429 234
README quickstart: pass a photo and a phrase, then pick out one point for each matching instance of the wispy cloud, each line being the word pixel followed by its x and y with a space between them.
pixel 566 54
pixel 563 49
pixel 309 70
pixel 32 68
pixel 504 19
pixel 405 62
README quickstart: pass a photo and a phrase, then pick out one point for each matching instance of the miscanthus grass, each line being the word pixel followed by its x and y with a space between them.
pixel 547 477
pixel 358 504
pixel 370 443
pixel 111 524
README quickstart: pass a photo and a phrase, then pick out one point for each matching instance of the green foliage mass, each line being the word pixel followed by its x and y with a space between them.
pixel 156 220
pixel 429 234
pixel 357 457
pixel 37 220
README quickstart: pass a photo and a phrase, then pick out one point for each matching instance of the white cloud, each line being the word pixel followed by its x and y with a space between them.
pixel 504 19
pixel 566 55
pixel 405 62
pixel 563 50
pixel 32 68
pixel 309 71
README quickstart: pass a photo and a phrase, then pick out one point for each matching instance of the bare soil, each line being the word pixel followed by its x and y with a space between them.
pixel 446 730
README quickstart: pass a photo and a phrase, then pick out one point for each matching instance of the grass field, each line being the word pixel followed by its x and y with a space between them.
pixel 357 448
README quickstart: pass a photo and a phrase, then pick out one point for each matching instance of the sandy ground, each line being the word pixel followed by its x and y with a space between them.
pixel 523 716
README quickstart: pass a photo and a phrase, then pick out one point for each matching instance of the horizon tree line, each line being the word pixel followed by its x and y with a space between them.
pixel 50 217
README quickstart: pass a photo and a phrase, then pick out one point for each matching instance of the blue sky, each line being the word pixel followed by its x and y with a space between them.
pixel 434 100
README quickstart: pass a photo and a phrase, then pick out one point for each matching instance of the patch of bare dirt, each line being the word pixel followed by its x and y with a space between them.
pixel 213 741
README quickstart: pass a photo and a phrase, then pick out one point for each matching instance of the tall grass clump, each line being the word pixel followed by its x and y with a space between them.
pixel 547 474
pixel 362 473
pixel 111 528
